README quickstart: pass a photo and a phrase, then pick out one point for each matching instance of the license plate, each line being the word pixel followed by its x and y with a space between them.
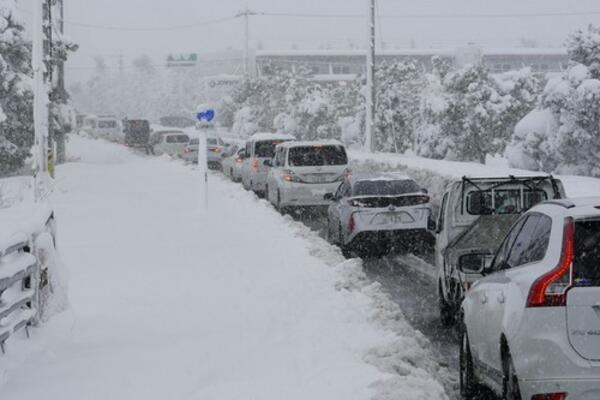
pixel 392 218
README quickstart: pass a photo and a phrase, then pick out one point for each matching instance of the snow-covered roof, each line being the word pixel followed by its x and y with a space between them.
pixel 20 222
pixel 270 136
pixel 312 143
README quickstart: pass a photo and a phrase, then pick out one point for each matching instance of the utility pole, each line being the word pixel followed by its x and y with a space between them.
pixel 61 151
pixel 370 78
pixel 246 13
pixel 40 102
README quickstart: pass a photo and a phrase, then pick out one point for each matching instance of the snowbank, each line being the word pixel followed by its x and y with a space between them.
pixel 237 303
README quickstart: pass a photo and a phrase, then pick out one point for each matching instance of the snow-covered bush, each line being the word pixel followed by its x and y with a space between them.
pixel 469 113
pixel 563 133
pixel 398 92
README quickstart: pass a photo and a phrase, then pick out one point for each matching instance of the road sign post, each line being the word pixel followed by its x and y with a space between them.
pixel 203 115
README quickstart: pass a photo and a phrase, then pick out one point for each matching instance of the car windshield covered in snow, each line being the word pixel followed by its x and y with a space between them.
pixel 266 148
pixel 385 187
pixel 503 201
pixel 586 264
pixel 311 156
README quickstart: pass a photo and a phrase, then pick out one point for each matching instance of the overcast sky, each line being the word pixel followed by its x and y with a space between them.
pixel 275 33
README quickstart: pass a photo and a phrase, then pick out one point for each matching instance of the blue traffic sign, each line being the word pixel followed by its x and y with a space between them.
pixel 207 115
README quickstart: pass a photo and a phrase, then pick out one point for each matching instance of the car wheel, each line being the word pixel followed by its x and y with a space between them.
pixel 446 314
pixel 278 206
pixel 343 247
pixel 468 382
pixel 511 389
pixel 231 174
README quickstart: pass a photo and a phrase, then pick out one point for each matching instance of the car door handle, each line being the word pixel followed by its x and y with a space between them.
pixel 484 298
pixel 501 298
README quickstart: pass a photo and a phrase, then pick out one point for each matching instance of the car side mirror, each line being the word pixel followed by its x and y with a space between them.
pixel 474 263
pixel 432 225
pixel 268 163
pixel 425 191
pixel 328 196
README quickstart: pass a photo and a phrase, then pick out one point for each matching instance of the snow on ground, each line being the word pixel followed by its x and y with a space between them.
pixel 236 303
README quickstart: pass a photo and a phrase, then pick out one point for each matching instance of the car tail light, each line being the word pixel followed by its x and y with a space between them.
pixel 550 290
pixel 239 160
pixel 216 149
pixel 290 176
pixel 187 150
pixel 254 166
pixel 351 223
pixel 420 200
pixel 550 396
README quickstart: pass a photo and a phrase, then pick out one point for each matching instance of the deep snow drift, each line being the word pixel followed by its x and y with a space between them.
pixel 237 303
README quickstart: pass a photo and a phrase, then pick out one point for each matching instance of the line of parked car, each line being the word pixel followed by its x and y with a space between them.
pixel 518 264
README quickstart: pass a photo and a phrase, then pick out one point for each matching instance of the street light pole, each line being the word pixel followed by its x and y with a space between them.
pixel 246 13
pixel 370 78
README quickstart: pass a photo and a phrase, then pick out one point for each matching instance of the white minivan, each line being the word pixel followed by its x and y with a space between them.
pixel 260 147
pixel 303 172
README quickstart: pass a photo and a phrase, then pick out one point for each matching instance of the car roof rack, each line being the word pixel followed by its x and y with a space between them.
pixel 562 203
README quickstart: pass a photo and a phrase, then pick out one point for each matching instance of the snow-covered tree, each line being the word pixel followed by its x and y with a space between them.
pixel 16 98
pixel 399 89
pixel 563 133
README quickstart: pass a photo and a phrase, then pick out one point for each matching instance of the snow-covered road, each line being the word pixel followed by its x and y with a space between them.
pixel 238 303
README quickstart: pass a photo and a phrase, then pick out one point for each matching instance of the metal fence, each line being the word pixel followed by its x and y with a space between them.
pixel 20 275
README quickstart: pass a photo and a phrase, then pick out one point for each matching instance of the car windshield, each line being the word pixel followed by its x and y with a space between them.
pixel 265 148
pixel 317 155
pixel 505 201
pixel 586 265
pixel 385 187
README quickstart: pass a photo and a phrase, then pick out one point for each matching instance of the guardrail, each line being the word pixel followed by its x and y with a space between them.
pixel 19 287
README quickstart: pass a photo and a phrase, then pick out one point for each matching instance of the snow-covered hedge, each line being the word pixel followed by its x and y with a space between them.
pixel 563 133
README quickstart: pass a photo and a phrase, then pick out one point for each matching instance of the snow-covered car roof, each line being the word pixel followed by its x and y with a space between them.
pixel 311 143
pixel 270 136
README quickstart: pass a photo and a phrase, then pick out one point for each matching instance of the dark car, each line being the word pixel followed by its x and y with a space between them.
pixel 137 132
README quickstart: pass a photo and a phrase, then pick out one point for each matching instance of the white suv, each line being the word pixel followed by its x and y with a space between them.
pixel 531 326
pixel 302 173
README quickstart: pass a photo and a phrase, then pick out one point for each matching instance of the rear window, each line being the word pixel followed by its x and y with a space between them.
pixel 586 265
pixel 139 125
pixel 266 148
pixel 310 156
pixel 178 139
pixel 385 187
pixel 211 141
pixel 107 124
pixel 195 141
pixel 506 201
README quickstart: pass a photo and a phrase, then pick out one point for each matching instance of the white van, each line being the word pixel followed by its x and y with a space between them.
pixel 260 147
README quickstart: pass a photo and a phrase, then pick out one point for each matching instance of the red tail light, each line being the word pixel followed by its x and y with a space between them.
pixel 550 396
pixel 351 223
pixel 216 149
pixel 255 166
pixel 239 160
pixel 421 200
pixel 550 290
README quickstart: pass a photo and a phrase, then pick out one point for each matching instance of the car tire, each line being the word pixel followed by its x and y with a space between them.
pixel 446 314
pixel 231 174
pixel 344 248
pixel 510 385
pixel 467 380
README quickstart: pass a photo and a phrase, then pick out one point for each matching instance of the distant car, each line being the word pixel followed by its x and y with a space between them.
pixel 531 325
pixel 260 147
pixel 177 121
pixel 171 143
pixel 136 133
pixel 302 172
pixel 89 125
pixel 109 128
pixel 374 214
pixel 232 165
pixel 215 147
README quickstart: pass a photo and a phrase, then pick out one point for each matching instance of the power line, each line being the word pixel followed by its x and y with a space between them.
pixel 143 29
pixel 436 16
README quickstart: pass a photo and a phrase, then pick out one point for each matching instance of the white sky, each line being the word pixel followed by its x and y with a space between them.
pixel 281 32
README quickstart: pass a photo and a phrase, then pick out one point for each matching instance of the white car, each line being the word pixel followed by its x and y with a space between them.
pixel 376 214
pixel 232 165
pixel 260 147
pixel 302 173
pixel 172 143
pixel 109 128
pixel 531 325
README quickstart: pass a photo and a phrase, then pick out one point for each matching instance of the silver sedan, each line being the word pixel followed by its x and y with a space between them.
pixel 374 215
